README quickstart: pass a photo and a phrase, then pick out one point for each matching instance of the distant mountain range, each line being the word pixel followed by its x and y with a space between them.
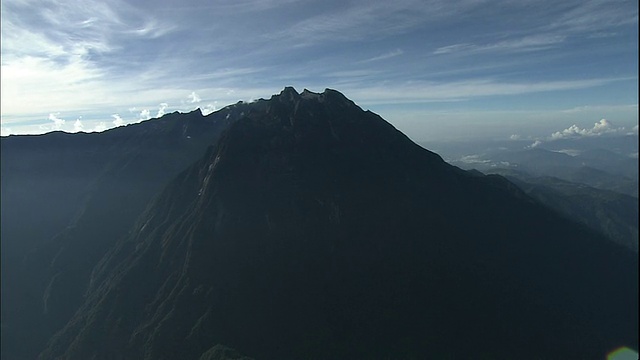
pixel 613 214
pixel 295 227
pixel 592 180
pixel 589 165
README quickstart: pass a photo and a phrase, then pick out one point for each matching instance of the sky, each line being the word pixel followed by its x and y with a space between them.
pixel 435 69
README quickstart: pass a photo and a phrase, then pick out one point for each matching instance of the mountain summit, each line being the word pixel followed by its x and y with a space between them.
pixel 314 229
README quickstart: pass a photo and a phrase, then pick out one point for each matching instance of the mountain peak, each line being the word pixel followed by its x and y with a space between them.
pixel 289 93
pixel 305 208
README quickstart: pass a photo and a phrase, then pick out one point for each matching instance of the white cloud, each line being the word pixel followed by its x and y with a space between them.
pixel 145 114
pixel 77 125
pixel 117 120
pixel 57 122
pixel 209 108
pixel 634 130
pixel 161 109
pixel 534 145
pixel 572 131
pixel 603 126
pixel 102 126
pixel 570 152
pixel 515 137
pixel 473 159
pixel 52 50
pixel 194 98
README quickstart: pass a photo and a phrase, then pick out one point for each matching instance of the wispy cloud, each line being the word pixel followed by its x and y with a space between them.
pixel 474 159
pixel 596 15
pixel 601 108
pixel 93 59
pixel 461 90
pixel 527 43
pixel 346 74
pixel 52 51
pixel 372 19
pixel 388 55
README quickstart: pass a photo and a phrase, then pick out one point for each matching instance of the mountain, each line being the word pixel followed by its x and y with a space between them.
pixel 595 167
pixel 611 213
pixel 611 162
pixel 309 228
pixel 66 199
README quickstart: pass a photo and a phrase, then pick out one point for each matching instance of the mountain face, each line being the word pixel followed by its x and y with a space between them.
pixel 314 229
pixel 66 199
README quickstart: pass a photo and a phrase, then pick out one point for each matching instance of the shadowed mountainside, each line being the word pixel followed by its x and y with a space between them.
pixel 610 213
pixel 67 198
pixel 314 229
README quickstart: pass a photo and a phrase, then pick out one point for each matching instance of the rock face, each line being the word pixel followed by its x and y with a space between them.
pixel 314 229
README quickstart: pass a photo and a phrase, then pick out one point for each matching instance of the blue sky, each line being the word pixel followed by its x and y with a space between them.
pixel 435 69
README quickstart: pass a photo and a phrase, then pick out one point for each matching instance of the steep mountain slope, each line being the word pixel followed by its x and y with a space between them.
pixel 610 213
pixel 316 230
pixel 67 198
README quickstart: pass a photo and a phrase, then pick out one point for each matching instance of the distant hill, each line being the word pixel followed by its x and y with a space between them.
pixel 610 213
pixel 598 168
pixel 305 227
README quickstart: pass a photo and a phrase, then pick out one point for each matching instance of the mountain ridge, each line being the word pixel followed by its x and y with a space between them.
pixel 83 191
pixel 306 232
pixel 305 226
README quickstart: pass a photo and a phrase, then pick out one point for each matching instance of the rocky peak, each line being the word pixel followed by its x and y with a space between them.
pixel 289 94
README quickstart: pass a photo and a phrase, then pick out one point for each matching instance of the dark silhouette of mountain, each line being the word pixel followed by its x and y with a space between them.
pixel 610 213
pixel 66 199
pixel 314 229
